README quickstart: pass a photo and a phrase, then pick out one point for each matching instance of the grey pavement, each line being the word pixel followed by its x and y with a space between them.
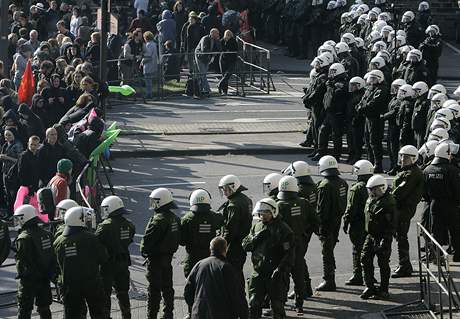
pixel 135 178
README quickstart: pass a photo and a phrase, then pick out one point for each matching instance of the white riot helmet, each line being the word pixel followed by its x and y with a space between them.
pixel 386 31
pixel 342 47
pixel 375 77
pixel 376 10
pixel 414 55
pixel 444 113
pixel 405 91
pixel 347 38
pixel 341 3
pixel 160 197
pixel 438 100
pixel 362 19
pixel 376 186
pixel 328 57
pixel 357 83
pixel 363 167
pixel 377 63
pixel 200 197
pixel 433 30
pixel 374 36
pixel 440 122
pixel 332 43
pixel 23 214
pixel 266 206
pixel 400 40
pixel 384 16
pixel 111 204
pixel 328 166
pixel 453 107
pixel 287 184
pixel 360 44
pixel 409 151
pixel 457 92
pixel 378 25
pixel 271 182
pixel 298 169
pixel 423 6
pixel 401 33
pixel 437 88
pixel 335 70
pixel 364 8
pixel 438 134
pixel 420 88
pixel 427 149
pixel 62 207
pixel 231 183
pixel 319 62
pixel 75 217
pixel 407 17
pixel 396 84
pixel 385 55
pixel 344 18
pixel 444 150
pixel 379 46
pixel 331 5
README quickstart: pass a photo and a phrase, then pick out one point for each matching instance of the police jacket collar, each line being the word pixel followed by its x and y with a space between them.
pixel 305 180
pixel 200 208
pixel 70 230
pixel 287 195
pixel 439 160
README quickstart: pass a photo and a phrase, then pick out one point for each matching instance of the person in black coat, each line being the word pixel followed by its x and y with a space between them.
pixel 81 108
pixel 211 20
pixel 30 121
pixel 39 108
pixel 213 290
pixel 11 120
pixel 28 166
pixel 88 140
pixel 49 155
pixel 55 97
pixel 227 60
pixel 170 62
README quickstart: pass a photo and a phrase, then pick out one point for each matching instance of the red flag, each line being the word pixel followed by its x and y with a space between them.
pixel 27 88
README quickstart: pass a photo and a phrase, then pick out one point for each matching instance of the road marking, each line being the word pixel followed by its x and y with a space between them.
pixel 210 111
pixel 254 120
pixel 163 184
pixel 452 47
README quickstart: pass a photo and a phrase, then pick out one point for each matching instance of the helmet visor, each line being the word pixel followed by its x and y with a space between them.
pixel 266 188
pixel 60 213
pixel 18 221
pixel 226 190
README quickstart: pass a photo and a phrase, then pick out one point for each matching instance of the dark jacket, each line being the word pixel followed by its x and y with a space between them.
pixel 31 122
pixel 419 117
pixel 374 101
pixel 48 156
pixel 207 45
pixel 315 90
pixel 415 72
pixel 213 290
pixel 228 46
pixel 336 96
pixel 29 170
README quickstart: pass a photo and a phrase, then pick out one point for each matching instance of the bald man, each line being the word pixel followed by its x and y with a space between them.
pixel 203 57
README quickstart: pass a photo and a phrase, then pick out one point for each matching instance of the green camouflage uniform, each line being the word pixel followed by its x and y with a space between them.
pixel 379 225
pixel 272 248
pixel 303 221
pixel 408 190
pixel 159 244
pixel 116 233
pixel 80 256
pixel 332 202
pixel 198 227
pixel 35 263
pixel 354 216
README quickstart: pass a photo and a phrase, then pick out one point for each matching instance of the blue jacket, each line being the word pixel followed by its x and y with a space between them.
pixel 166 27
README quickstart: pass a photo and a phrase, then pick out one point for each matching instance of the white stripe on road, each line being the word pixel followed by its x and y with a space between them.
pixel 254 120
pixel 210 111
pixel 164 184
pixel 452 47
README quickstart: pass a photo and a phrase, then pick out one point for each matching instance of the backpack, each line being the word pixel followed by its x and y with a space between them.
pixel 46 202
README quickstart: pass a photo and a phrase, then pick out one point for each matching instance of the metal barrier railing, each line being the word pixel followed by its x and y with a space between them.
pixel 435 280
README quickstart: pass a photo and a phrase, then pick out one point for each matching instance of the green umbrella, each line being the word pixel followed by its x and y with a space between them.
pixel 124 89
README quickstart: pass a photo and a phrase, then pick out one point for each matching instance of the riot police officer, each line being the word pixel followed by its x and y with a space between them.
pixel 335 107
pixel 160 242
pixel 442 182
pixel 307 190
pixel 436 102
pixel 415 70
pixel 61 208
pixel 392 116
pixel 407 190
pixel 271 242
pixel 431 49
pixel 35 264
pixel 293 210
pixel 355 121
pixel 406 108
pixel 80 256
pixel 116 233
pixel 270 185
pixel 345 57
pixel 332 202
pixel 353 219
pixel 419 116
pixel 372 105
pixel 198 227
pixel 380 213
pixel 237 215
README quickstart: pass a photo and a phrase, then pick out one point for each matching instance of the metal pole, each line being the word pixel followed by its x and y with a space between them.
pixel 4 31
pixel 103 50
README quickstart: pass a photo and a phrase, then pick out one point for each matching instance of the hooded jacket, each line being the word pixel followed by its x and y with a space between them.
pixel 87 141
pixel 32 124
pixel 166 27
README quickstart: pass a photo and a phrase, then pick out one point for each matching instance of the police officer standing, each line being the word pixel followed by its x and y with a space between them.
pixel 198 227
pixel 80 256
pixel 35 263
pixel 237 215
pixel 271 242
pixel 270 185
pixel 160 242
pixel 379 224
pixel 293 210
pixel 332 202
pixel 442 182
pixel 116 233
pixel 407 190
pixel 353 219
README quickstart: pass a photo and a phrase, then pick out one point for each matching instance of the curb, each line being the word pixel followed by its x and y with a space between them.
pixel 143 133
pixel 219 151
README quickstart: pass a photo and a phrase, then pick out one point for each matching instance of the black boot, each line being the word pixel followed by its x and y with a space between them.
pixel 368 293
pixel 403 271
pixel 308 289
pixel 355 280
pixel 327 285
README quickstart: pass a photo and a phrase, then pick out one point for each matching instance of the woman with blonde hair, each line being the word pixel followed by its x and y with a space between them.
pixel 149 63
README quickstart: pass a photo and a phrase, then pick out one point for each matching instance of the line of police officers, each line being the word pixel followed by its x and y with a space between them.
pixel 357 80
pixel 87 265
